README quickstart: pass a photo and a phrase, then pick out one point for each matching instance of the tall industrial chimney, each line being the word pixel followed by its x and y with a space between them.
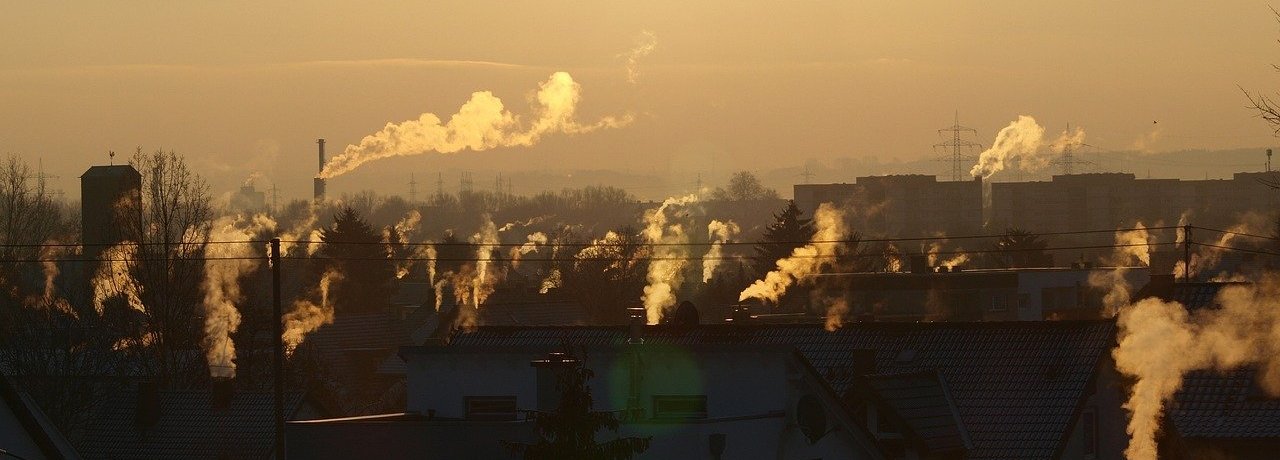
pixel 319 182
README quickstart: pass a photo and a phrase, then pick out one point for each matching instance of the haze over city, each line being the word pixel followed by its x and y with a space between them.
pixel 710 230
pixel 728 86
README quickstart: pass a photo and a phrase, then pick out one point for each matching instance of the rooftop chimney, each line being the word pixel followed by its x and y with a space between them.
pixel 148 410
pixel 636 320
pixel 223 391
pixel 319 182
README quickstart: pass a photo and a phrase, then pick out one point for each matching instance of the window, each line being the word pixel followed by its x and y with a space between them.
pixel 999 302
pixel 491 407
pixel 680 406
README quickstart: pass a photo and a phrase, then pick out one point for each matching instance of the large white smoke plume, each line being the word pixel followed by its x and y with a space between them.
pixel 666 269
pixel 224 265
pixel 1018 146
pixel 307 316
pixel 720 233
pixel 803 261
pixel 1160 342
pixel 481 123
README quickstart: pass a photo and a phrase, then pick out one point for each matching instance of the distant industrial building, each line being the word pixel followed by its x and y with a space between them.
pixel 1111 200
pixel 110 200
pixel 919 205
pixel 248 200
pixel 901 205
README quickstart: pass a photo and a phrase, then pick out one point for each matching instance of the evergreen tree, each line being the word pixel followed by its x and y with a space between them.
pixel 787 232
pixel 1018 248
pixel 356 250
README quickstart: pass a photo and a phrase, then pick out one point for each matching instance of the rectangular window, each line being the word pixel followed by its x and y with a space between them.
pixel 680 406
pixel 491 407
pixel 999 302
pixel 1089 425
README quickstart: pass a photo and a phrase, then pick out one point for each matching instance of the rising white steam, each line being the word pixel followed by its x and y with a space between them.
pixel 307 316
pixel 645 44
pixel 1015 146
pixel 1159 342
pixel 666 269
pixel 534 241
pixel 803 261
pixel 113 277
pixel 720 233
pixel 407 226
pixel 1132 248
pixel 224 265
pixel 481 123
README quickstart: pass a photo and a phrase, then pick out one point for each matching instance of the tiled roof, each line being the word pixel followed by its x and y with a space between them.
pixel 187 428
pixel 1225 405
pixel 923 402
pixel 353 337
pixel 1016 385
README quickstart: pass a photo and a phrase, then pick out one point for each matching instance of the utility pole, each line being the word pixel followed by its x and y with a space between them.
pixel 274 192
pixel 278 341
pixel 960 148
pixel 1186 253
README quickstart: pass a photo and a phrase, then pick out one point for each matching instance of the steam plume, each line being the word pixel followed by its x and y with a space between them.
pixel 805 260
pixel 1160 342
pixel 113 277
pixel 407 226
pixel 481 123
pixel 720 233
pixel 222 287
pixel 1132 246
pixel 1019 141
pixel 644 45
pixel 535 240
pixel 308 316
pixel 666 270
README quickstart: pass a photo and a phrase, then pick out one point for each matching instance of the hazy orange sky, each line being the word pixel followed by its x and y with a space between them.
pixel 244 87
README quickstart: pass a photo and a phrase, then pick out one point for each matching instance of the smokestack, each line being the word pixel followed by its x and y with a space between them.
pixel 319 182
pixel 223 391
pixel 148 409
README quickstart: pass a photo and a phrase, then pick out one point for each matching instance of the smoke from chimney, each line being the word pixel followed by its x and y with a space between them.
pixel 1160 342
pixel 224 265
pixel 666 269
pixel 307 316
pixel 481 123
pixel 113 278
pixel 805 260
pixel 720 233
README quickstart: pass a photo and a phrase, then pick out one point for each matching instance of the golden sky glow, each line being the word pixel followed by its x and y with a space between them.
pixel 243 87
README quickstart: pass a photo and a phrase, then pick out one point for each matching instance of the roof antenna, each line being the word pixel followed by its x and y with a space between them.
pixel 112 154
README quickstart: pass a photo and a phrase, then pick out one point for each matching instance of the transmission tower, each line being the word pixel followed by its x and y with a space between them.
pixel 464 184
pixel 959 151
pixel 413 189
pixel 807 175
pixel 1067 159
pixel 439 186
